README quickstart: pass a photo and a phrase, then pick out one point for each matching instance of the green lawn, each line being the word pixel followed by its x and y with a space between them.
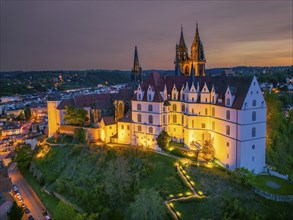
pixel 50 202
pixel 285 189
pixel 176 144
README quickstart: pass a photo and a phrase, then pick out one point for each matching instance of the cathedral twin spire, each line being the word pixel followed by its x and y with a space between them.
pixel 136 73
pixel 197 58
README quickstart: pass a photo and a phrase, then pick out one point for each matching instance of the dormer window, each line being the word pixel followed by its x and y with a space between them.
pixel 150 97
pixel 254 102
pixel 139 96
pixel 228 102
pixel 183 97
pixel 213 99
pixel 174 96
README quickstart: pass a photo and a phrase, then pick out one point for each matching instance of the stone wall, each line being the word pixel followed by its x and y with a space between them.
pixel 278 198
pixel 92 133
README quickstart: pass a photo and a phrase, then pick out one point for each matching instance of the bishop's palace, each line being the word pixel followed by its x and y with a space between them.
pixel 190 106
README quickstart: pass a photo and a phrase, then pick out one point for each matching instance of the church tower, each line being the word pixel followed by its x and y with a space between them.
pixel 136 70
pixel 197 57
pixel 197 54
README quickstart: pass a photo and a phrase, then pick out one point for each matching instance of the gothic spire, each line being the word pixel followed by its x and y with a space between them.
pixel 136 62
pixel 197 52
pixel 181 41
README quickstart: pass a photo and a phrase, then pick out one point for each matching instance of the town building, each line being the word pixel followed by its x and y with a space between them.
pixel 189 106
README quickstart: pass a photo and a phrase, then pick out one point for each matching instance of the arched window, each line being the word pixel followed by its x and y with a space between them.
pixel 228 115
pixel 139 128
pixel 174 107
pixel 227 130
pixel 150 130
pixel 150 119
pixel 213 111
pixel 254 102
pixel 253 132
pixel 174 118
pixel 139 117
pixel 138 106
pixel 228 102
pixel 150 108
pixel 253 116
pixel 183 108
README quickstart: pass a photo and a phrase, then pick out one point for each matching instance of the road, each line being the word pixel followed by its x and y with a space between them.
pixel 29 196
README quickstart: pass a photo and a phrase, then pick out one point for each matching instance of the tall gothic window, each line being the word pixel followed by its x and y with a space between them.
pixel 175 119
pixel 254 102
pixel 150 108
pixel 139 117
pixel 253 132
pixel 253 116
pixel 174 107
pixel 138 106
pixel 227 130
pixel 150 130
pixel 228 115
pixel 150 119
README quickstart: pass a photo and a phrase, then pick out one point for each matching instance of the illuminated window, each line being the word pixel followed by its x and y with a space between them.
pixel 139 128
pixel 150 119
pixel 150 108
pixel 174 107
pixel 213 125
pixel 203 125
pixel 138 106
pixel 253 116
pixel 254 102
pixel 139 117
pixel 213 111
pixel 150 130
pixel 227 130
pixel 253 132
pixel 228 115
pixel 174 118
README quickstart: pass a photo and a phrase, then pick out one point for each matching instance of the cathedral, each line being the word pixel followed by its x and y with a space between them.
pixel 184 62
pixel 190 106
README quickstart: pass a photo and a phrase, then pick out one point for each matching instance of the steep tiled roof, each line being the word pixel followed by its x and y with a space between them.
pixel 108 120
pixel 125 94
pixel 81 101
pixel 239 86
pixel 127 117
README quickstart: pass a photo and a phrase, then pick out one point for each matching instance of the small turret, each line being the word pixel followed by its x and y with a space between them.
pixel 136 73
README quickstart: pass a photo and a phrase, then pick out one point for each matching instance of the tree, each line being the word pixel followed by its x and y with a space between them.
pixel 243 176
pixel 24 156
pixel 92 216
pixel 148 205
pixel 15 212
pixel 27 113
pixel 75 116
pixel 208 150
pixel 64 212
pixel 163 140
pixel 118 180
pixel 80 135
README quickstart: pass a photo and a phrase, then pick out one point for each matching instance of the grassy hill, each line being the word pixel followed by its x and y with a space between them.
pixel 106 180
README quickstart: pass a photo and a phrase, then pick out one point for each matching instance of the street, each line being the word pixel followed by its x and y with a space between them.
pixel 29 196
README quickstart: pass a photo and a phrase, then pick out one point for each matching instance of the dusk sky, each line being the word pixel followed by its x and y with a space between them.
pixel 76 35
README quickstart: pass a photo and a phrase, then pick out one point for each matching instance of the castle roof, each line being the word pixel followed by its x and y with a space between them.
pixel 127 117
pixel 238 86
pixel 108 120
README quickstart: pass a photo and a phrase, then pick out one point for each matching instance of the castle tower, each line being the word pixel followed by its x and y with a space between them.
pixel 136 70
pixel 197 54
